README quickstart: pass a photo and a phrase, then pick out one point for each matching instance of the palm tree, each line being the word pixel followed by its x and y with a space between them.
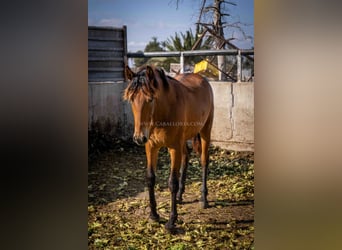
pixel 187 41
pixel 152 46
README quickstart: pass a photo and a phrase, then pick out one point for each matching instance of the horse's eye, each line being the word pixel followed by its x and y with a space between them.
pixel 149 99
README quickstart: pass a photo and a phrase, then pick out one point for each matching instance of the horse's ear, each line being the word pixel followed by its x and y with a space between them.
pixel 129 74
pixel 151 77
pixel 149 73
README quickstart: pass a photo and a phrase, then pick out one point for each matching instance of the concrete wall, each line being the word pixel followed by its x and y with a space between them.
pixel 107 111
pixel 233 126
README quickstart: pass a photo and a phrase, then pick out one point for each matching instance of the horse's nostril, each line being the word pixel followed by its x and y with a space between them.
pixel 144 139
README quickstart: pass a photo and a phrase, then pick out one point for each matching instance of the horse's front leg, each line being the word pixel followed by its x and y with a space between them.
pixel 175 155
pixel 152 157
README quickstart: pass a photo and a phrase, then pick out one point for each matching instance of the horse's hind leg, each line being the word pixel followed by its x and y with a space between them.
pixel 204 164
pixel 183 169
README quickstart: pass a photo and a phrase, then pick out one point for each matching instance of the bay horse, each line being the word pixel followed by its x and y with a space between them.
pixel 167 112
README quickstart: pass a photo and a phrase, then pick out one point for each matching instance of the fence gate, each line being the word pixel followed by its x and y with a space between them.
pixel 107 55
pixel 107 52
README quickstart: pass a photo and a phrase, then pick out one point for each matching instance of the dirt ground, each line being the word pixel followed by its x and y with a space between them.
pixel 118 202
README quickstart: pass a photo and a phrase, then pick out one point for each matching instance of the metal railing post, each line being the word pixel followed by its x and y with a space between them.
pixel 181 63
pixel 239 70
pixel 221 66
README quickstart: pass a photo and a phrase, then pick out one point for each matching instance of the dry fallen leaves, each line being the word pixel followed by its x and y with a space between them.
pixel 120 221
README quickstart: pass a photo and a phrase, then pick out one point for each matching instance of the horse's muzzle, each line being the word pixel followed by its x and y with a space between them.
pixel 140 140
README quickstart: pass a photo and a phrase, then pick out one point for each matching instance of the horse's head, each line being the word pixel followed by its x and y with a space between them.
pixel 141 93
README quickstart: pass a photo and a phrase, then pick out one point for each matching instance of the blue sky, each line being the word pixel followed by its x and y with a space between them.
pixel 160 18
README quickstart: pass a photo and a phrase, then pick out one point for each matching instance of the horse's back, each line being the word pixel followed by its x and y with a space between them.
pixel 192 80
pixel 195 85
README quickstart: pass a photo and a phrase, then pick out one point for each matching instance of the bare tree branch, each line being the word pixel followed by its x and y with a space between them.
pixel 202 8
pixel 177 3
pixel 208 8
pixel 228 2
pixel 206 24
pixel 200 15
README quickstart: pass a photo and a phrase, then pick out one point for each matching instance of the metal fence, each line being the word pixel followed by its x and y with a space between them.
pixel 107 54
pixel 232 52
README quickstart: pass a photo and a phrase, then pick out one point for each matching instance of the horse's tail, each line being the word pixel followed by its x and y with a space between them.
pixel 196 144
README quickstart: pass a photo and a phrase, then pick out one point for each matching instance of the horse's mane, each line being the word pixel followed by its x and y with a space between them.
pixel 141 82
pixel 163 77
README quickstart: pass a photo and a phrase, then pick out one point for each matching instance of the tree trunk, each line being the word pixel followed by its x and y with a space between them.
pixel 221 62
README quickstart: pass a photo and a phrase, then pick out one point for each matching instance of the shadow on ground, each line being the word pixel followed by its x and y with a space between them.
pixel 119 171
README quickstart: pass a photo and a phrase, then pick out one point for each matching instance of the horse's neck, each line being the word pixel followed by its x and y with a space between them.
pixel 165 106
pixel 166 103
pixel 162 108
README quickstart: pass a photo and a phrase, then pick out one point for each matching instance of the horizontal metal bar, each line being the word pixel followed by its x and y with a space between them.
pixel 154 54
pixel 189 53
pixel 105 49
pixel 95 28
pixel 114 39
pixel 100 81
pixel 217 52
pixel 98 59
pixel 105 69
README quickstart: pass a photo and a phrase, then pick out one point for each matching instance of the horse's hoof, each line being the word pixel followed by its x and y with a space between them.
pixel 171 228
pixel 204 204
pixel 155 217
